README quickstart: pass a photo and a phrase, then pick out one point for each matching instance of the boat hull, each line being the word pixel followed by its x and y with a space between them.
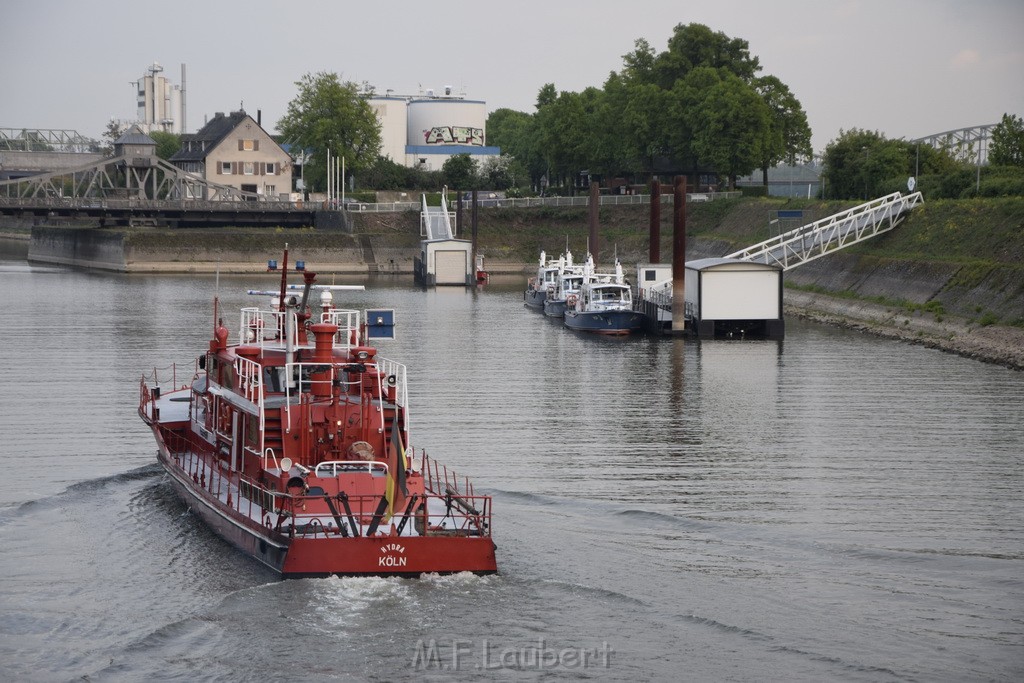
pixel 331 555
pixel 554 308
pixel 605 322
pixel 535 298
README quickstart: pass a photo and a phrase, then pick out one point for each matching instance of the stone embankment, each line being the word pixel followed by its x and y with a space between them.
pixel 999 344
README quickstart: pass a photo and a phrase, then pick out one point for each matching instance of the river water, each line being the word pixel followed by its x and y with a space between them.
pixel 832 507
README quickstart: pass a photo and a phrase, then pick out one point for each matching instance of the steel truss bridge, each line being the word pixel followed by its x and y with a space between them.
pixel 45 140
pixel 969 144
pixel 146 190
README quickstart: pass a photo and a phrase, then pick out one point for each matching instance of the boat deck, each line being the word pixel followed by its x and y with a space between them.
pixel 249 501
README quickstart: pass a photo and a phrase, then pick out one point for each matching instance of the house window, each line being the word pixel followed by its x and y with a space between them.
pixel 247 169
pixel 270 168
pixel 270 189
pixel 247 145
pixel 225 167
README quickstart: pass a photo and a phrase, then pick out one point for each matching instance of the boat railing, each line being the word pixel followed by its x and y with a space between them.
pixel 440 480
pixel 150 385
pixel 394 375
pixel 260 326
pixel 430 514
pixel 452 510
pixel 236 490
pixel 391 379
pixel 172 372
pixel 348 322
pixel 250 382
pixel 335 466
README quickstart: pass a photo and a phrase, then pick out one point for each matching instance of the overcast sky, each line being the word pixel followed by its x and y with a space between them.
pixel 906 68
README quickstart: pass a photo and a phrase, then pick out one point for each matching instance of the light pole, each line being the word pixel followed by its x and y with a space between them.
pixel 867 158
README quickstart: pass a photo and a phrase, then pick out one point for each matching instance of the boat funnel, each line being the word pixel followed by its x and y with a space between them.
pixel 323 334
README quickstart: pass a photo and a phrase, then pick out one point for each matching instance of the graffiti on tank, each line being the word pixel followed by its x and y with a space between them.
pixel 454 135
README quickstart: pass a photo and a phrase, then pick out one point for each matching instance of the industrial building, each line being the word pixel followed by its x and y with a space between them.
pixel 161 104
pixel 425 130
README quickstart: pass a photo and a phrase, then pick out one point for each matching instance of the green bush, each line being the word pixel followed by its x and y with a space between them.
pixel 753 190
pixel 989 318
pixel 1002 184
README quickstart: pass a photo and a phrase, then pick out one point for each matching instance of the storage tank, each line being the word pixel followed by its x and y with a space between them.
pixel 446 121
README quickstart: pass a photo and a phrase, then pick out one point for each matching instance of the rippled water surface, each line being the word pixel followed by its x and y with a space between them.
pixel 831 507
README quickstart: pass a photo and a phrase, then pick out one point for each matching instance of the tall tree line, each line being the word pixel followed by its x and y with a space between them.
pixel 697 106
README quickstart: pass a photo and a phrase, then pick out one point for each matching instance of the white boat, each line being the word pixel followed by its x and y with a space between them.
pixel 540 287
pixel 604 304
pixel 570 280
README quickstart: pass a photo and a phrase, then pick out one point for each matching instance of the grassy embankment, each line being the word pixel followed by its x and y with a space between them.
pixel 963 258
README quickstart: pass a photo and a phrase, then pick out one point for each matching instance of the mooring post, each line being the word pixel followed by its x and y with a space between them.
pixel 459 227
pixel 595 205
pixel 473 221
pixel 654 238
pixel 679 256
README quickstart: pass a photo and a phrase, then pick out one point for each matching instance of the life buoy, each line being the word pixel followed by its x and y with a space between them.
pixel 571 300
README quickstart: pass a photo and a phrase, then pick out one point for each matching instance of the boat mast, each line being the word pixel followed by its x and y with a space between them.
pixel 284 276
pixel 216 301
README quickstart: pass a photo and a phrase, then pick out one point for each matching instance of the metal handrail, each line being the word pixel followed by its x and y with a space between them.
pixel 351 465
pixel 529 202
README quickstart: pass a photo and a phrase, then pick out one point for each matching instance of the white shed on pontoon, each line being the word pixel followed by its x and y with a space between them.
pixel 733 298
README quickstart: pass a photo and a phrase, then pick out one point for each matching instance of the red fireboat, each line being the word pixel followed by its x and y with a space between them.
pixel 298 452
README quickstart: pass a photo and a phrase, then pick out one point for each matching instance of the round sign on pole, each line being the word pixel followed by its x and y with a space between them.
pixel 911 183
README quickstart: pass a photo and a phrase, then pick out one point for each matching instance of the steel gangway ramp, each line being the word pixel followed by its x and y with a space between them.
pixel 436 221
pixel 800 245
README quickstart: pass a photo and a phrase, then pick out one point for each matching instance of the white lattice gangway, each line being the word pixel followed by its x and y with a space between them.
pixel 792 248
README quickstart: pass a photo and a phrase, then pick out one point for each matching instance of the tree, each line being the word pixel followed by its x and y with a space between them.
pixel 115 129
pixel 788 136
pixel 695 45
pixel 547 95
pixel 167 144
pixel 730 122
pixel 860 164
pixel 515 132
pixel 502 172
pixel 662 101
pixel 459 172
pixel 1007 142
pixel 330 116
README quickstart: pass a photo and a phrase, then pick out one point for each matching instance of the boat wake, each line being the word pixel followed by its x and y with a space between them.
pixel 534 498
pixel 78 491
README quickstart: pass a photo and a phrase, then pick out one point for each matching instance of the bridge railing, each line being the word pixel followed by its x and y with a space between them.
pixel 526 202
pixel 86 203
pixel 99 203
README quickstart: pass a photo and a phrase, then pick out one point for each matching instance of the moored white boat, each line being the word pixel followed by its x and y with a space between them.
pixel 570 279
pixel 539 288
pixel 604 305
